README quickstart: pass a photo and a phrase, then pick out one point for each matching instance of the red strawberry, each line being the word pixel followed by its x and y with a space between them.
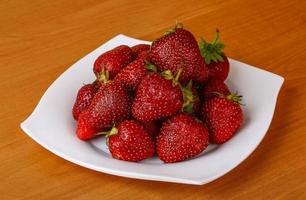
pixel 181 137
pixel 131 75
pixel 156 98
pixel 110 105
pixel 201 74
pixel 178 49
pixel 112 61
pixel 130 142
pixel 223 117
pixel 137 49
pixel 213 87
pixel 85 131
pixel 152 127
pixel 144 55
pixel 215 59
pixel 84 98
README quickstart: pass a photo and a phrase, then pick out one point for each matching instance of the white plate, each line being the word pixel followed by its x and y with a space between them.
pixel 52 126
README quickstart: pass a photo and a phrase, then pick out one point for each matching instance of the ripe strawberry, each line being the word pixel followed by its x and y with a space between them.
pixel 176 50
pixel 137 49
pixel 215 59
pixel 131 75
pixel 156 98
pixel 85 131
pixel 84 98
pixel 152 127
pixel 219 69
pixel 112 61
pixel 144 55
pixel 214 87
pixel 223 117
pixel 130 142
pixel 110 105
pixel 181 137
pixel 201 74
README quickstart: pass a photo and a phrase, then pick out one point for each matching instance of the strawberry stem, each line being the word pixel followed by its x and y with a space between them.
pixel 178 25
pixel 113 131
pixel 103 76
pixel 217 37
pixel 102 133
pixel 167 74
pixel 176 79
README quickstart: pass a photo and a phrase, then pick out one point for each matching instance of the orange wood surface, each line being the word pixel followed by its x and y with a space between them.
pixel 39 40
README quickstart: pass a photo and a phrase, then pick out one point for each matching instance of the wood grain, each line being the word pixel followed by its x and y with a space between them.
pixel 40 39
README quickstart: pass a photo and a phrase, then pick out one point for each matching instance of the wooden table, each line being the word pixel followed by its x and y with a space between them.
pixel 39 40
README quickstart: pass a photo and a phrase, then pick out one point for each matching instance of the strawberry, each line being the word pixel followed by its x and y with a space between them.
pixel 144 55
pixel 219 69
pixel 215 59
pixel 131 75
pixel 200 75
pixel 214 87
pixel 85 131
pixel 156 97
pixel 130 142
pixel 112 61
pixel 152 127
pixel 178 49
pixel 181 137
pixel 84 98
pixel 137 49
pixel 223 116
pixel 110 105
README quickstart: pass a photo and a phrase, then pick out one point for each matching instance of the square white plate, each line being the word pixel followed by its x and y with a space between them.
pixel 52 126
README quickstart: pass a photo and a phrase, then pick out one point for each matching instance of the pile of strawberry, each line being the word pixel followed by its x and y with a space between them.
pixel 167 98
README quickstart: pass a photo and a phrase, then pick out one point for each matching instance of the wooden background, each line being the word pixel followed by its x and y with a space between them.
pixel 39 40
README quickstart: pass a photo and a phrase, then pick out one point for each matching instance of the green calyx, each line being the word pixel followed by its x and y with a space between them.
pixel 232 97
pixel 212 51
pixel 103 76
pixel 188 97
pixel 167 74
pixel 235 98
pixel 151 67
pixel 172 30
pixel 109 133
